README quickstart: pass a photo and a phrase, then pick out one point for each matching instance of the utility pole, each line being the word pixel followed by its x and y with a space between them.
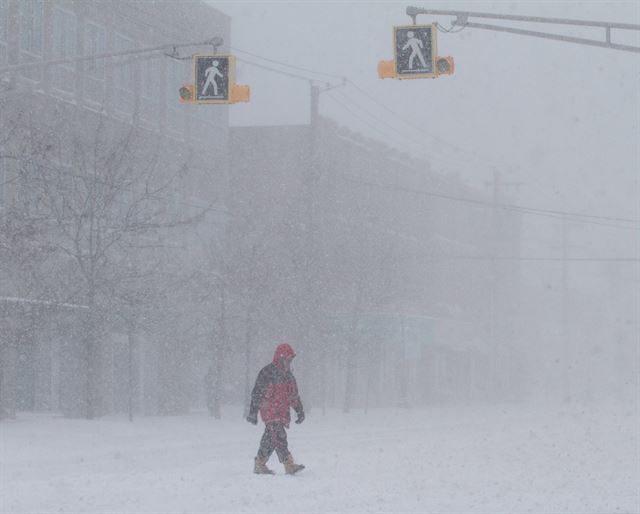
pixel 131 341
pixel 313 172
pixel 493 278
pixel 314 117
pixel 247 364
pixel 403 365
pixel 314 114
pixel 566 367
pixel 497 185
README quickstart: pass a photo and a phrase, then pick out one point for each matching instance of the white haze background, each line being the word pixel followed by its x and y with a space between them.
pixel 560 120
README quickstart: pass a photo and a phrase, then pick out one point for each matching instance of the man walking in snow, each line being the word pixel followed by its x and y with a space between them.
pixel 273 395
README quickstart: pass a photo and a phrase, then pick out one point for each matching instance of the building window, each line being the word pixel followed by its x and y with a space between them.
pixel 123 74
pixel 3 179
pixel 4 23
pixel 64 47
pixel 4 18
pixel 94 44
pixel 151 92
pixel 31 34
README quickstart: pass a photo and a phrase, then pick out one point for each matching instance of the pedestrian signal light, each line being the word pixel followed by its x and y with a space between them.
pixel 239 94
pixel 215 80
pixel 387 69
pixel 415 48
pixel 414 51
pixel 444 66
pixel 187 93
pixel 214 75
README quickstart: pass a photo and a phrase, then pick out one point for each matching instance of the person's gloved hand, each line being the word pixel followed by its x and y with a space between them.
pixel 253 419
pixel 300 418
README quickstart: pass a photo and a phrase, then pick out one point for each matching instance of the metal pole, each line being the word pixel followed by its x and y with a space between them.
pixel 403 365
pixel 566 380
pixel 463 16
pixel 555 37
pixel 216 41
pixel 312 175
pixel 247 364
pixel 414 11
pixel 495 349
pixel 130 372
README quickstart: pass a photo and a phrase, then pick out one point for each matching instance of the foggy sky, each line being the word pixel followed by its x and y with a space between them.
pixel 559 118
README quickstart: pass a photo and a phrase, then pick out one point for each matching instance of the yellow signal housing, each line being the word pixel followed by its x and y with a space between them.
pixel 239 94
pixel 444 66
pixel 187 94
pixel 387 69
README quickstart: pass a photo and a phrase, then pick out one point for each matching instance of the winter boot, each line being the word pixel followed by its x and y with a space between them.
pixel 291 467
pixel 260 467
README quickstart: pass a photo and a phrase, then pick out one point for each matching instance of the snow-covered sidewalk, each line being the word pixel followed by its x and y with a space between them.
pixel 507 459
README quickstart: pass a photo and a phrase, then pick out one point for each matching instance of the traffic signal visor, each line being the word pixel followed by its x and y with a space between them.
pixel 187 94
pixel 387 69
pixel 239 94
pixel 444 65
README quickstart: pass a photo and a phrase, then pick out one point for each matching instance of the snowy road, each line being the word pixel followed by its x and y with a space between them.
pixel 472 460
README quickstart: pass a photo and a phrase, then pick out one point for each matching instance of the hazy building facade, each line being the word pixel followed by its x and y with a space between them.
pixel 441 330
pixel 55 109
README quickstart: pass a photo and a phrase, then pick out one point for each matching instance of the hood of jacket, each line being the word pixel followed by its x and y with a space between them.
pixel 282 350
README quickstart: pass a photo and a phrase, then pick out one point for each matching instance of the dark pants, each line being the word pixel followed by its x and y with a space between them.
pixel 274 438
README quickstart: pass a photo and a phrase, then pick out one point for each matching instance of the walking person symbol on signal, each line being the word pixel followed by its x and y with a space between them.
pixel 416 49
pixel 212 72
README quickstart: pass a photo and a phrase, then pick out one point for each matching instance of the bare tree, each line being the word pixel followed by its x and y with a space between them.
pixel 103 198
pixel 367 266
pixel 24 247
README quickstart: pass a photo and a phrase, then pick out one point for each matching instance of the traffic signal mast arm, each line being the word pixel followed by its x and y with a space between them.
pixel 463 16
pixel 215 42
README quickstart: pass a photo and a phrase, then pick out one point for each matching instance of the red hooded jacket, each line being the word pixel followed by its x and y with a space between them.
pixel 276 391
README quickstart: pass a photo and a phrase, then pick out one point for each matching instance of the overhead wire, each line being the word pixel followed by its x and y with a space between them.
pixel 416 139
pixel 540 259
pixel 529 210
pixel 400 142
pixel 362 120
pixel 401 137
pixel 293 67
pixel 473 157
pixel 415 127
pixel 348 81
pixel 369 96
pixel 579 217
pixel 274 70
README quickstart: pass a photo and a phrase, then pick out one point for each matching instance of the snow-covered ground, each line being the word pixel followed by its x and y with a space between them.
pixel 506 459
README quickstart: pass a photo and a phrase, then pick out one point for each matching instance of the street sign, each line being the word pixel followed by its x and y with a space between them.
pixel 214 76
pixel 415 51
